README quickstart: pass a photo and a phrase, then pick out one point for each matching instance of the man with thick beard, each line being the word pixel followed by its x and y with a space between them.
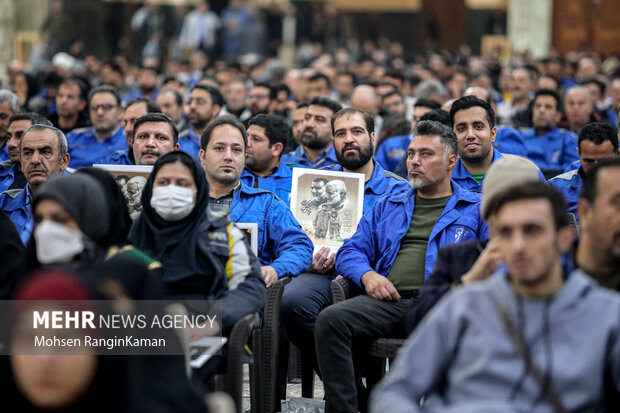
pixel 308 293
pixel 316 149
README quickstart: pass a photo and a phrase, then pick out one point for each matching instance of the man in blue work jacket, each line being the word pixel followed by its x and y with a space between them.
pixel 204 104
pixel 267 138
pixel 43 153
pixel 283 248
pixel 596 141
pixel 309 293
pixel 390 255
pixel 11 175
pixel 316 149
pixel 89 145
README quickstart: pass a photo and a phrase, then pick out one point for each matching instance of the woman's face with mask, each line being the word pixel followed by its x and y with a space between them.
pixel 175 174
pixel 48 209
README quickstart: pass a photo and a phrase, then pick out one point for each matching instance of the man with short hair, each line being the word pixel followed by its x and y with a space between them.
pixel 9 106
pixel 205 103
pixel 539 330
pixel 551 148
pixel 11 174
pixel 473 122
pixel 88 145
pixel 344 85
pixel 154 135
pixel 596 141
pixel 43 153
pixel 598 252
pixel 267 138
pixel 171 103
pixel 522 85
pixel 297 119
pixel 283 248
pixel 133 110
pixel 147 83
pixel 579 108
pixel 319 85
pixel 70 105
pixel 237 99
pixel 390 255
pixel 316 150
pixel 307 294
pixel 259 98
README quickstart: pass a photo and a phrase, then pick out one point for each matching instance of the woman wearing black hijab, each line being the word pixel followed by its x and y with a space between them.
pixel 203 258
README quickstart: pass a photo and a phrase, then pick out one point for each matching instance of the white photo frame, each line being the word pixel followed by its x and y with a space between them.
pixel 330 217
pixel 252 230
pixel 131 179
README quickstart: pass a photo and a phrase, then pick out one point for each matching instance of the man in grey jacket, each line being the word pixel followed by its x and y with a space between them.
pixel 464 355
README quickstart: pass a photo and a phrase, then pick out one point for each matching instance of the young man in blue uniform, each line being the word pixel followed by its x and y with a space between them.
pixel 204 103
pixel 283 248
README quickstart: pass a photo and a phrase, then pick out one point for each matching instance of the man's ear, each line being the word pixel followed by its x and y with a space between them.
pixel 201 156
pixel 372 139
pixel 493 134
pixel 176 146
pixel 277 149
pixel 64 163
pixel 216 110
pixel 566 237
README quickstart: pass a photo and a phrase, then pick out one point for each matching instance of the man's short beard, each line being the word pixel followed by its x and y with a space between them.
pixel 476 160
pixel 356 162
pixel 423 183
pixel 314 142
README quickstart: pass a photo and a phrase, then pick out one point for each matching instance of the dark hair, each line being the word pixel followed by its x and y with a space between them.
pixel 601 86
pixel 178 98
pixel 598 132
pixel 277 88
pixel 216 95
pixel 266 86
pixel 392 93
pixel 115 67
pixel 555 79
pixel 347 74
pixel 275 127
pixel 533 190
pixel 447 135
pixel 590 190
pixel 437 115
pixel 156 117
pixel 427 103
pixel 303 104
pixel 219 121
pixel 395 74
pixel 151 107
pixel 348 112
pixel 320 76
pixel 553 94
pixel 471 101
pixel 79 83
pixel 52 79
pixel 33 117
pixel 320 179
pixel 174 157
pixel 326 102
pixel 105 89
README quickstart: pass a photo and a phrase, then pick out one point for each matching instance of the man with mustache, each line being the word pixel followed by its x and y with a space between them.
pixel 283 248
pixel 11 175
pixel 598 252
pixel 308 293
pixel 267 139
pixel 204 104
pixel 316 149
pixel 43 153
pixel 154 134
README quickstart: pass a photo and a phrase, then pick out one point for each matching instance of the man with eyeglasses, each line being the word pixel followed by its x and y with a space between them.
pixel 259 100
pixel 106 136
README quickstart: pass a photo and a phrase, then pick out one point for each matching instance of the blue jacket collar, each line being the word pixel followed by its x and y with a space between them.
pixel 328 153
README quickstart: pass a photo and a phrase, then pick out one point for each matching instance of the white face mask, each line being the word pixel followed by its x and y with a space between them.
pixel 57 243
pixel 172 202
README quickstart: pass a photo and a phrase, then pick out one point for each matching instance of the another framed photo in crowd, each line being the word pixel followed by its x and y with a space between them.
pixel 131 179
pixel 327 204
pixel 252 230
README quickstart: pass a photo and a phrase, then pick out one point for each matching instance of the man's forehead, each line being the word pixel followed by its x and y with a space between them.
pixel 316 110
pixel 350 121
pixel 425 141
pixel 256 130
pixel 470 115
pixel 608 180
pixel 40 137
pixel 70 88
pixel 155 127
pixel 20 125
pixel 226 134
pixel 545 99
pixel 103 97
pixel 524 212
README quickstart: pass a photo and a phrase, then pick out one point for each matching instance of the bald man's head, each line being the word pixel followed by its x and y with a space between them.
pixel 366 99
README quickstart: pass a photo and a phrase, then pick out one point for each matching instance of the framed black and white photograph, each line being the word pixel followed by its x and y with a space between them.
pixel 327 204
pixel 132 180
